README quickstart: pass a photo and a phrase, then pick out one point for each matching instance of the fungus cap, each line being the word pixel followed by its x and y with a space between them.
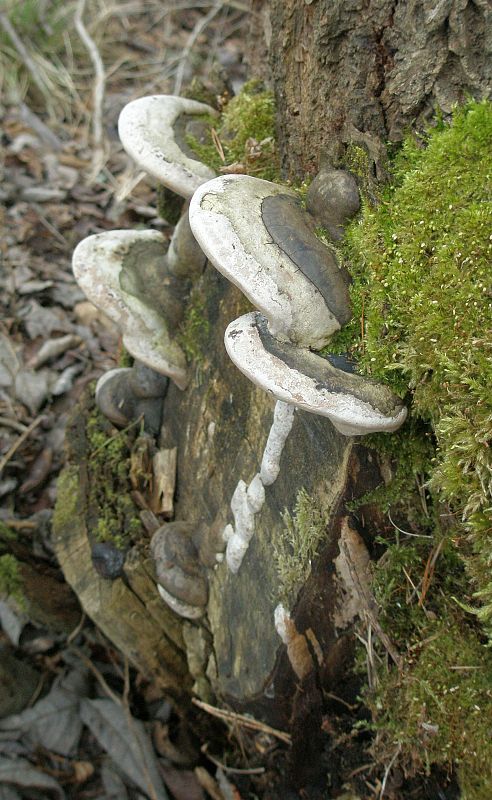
pixel 257 235
pixel 354 404
pixel 180 576
pixel 147 131
pixel 123 273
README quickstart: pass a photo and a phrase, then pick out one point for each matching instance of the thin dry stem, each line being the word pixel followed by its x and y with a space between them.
pixel 23 53
pixel 20 441
pixel 197 30
pixel 98 92
pixel 242 720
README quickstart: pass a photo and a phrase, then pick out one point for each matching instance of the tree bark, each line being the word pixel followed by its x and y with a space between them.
pixel 346 71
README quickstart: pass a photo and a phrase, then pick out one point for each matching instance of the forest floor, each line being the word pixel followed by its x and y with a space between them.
pixel 89 711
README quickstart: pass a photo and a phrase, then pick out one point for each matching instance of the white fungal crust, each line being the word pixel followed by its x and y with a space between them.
pixel 226 219
pixel 97 265
pixel 246 502
pixel 183 609
pixel 281 619
pixel 283 419
pixel 349 414
pixel 146 131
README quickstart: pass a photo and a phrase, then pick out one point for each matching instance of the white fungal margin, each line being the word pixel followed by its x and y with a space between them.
pixel 183 609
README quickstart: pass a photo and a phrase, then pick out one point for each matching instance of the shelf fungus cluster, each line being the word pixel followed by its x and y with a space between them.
pixel 259 237
pixel 142 285
pixel 130 274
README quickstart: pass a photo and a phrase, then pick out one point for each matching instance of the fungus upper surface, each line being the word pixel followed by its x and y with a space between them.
pixel 355 405
pixel 254 232
pixel 147 131
pixel 123 273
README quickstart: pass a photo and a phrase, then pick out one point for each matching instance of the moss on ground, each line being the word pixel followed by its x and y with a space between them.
pixel 438 708
pixel 112 514
pixel 244 135
pixel 10 579
pixel 422 300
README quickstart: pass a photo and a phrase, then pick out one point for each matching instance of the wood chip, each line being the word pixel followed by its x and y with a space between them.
pixel 164 468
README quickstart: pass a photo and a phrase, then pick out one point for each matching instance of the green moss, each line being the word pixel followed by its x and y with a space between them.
pixel 6 533
pixel 169 204
pixel 67 498
pixel 194 329
pixel 297 544
pixel 246 132
pixel 112 515
pixel 125 359
pixel 10 579
pixel 438 709
pixel 357 161
pixel 423 313
pixel 409 454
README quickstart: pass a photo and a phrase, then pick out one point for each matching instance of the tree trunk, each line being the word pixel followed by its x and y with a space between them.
pixel 366 72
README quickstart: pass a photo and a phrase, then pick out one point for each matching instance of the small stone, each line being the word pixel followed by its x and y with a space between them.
pixel 333 198
pixel 107 560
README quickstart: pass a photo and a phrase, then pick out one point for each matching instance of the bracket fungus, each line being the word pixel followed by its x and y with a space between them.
pixel 181 579
pixel 124 274
pixel 129 393
pixel 257 235
pixel 354 404
pixel 152 131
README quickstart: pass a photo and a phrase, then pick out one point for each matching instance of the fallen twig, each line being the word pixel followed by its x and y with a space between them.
pixel 242 720
pixel 19 442
pixel 231 770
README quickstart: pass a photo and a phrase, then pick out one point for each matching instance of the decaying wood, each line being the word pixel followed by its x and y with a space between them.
pixel 164 481
pixel 357 560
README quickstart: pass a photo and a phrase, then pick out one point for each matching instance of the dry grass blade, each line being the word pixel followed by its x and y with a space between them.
pixel 24 54
pixel 98 91
pixel 218 145
pixel 22 438
pixel 429 571
pixel 200 26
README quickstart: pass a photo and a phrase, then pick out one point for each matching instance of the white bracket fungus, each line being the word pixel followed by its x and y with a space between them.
pixel 255 233
pixel 242 226
pixel 147 130
pixel 123 273
pixel 355 405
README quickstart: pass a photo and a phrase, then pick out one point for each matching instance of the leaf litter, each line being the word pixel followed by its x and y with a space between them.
pixel 73 739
